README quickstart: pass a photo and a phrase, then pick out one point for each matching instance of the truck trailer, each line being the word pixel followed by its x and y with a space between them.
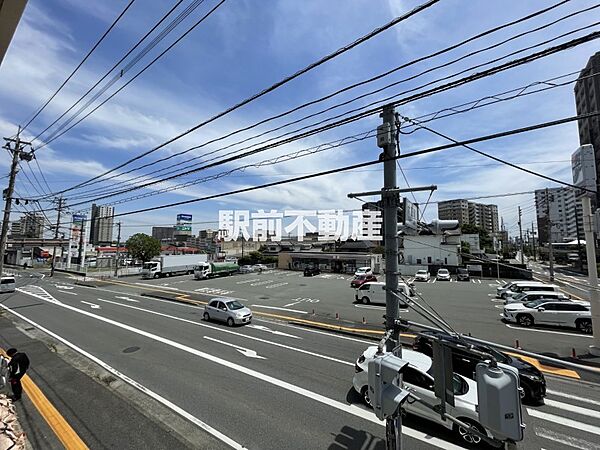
pixel 170 265
pixel 214 269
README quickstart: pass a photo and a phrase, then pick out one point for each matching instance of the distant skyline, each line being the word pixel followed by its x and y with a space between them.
pixel 244 47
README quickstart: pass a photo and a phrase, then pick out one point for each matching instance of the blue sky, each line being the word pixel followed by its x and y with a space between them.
pixel 246 46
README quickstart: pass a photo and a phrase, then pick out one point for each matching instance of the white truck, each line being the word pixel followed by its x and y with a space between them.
pixel 170 265
pixel 215 269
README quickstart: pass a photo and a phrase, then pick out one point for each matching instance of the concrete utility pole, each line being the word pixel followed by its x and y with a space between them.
pixel 521 238
pixel 118 245
pixel 549 227
pixel 60 205
pixel 590 247
pixel 82 245
pixel 533 242
pixel 17 153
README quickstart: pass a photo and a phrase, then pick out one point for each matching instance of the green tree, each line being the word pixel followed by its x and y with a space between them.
pixel 379 250
pixel 144 247
pixel 465 247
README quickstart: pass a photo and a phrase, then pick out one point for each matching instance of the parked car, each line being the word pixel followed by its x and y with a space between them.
pixel 422 275
pixel 359 280
pixel 246 269
pixel 363 271
pixel 417 378
pixel 7 284
pixel 227 310
pixel 443 275
pixel 550 312
pixel 517 288
pixel 464 362
pixel 311 271
pixel 529 296
pixel 462 274
pixel 374 291
pixel 259 267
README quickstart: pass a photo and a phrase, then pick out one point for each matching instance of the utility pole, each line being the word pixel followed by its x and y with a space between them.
pixel 60 205
pixel 81 245
pixel 578 240
pixel 549 227
pixel 17 153
pixel 533 242
pixel 590 249
pixel 521 238
pixel 118 245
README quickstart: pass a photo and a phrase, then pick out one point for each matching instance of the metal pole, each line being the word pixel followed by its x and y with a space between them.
pixel 578 240
pixel 521 238
pixel 60 201
pixel 390 203
pixel 533 242
pixel 8 203
pixel 549 225
pixel 82 245
pixel 118 245
pixel 588 228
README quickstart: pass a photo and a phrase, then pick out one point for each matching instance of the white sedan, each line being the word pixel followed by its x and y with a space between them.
pixel 549 312
pixel 417 378
pixel 443 275
pixel 363 271
pixel 422 275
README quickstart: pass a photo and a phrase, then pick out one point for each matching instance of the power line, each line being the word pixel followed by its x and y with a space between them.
pixel 352 86
pixel 159 37
pixel 453 84
pixel 81 63
pixel 369 163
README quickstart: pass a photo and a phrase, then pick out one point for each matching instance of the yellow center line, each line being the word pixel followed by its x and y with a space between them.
pixel 63 431
pixel 546 369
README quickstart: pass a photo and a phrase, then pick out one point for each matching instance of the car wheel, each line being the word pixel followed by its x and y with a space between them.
pixel 585 326
pixel 365 300
pixel 525 320
pixel 471 440
pixel 156 276
pixel 364 393
pixel 206 316
pixel 230 322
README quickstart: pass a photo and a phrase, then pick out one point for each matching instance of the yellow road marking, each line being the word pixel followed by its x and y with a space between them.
pixel 63 431
pixel 547 369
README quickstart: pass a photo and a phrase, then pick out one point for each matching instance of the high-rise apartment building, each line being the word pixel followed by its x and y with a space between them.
pixel 587 100
pixel 470 213
pixel 30 225
pixel 101 225
pixel 566 215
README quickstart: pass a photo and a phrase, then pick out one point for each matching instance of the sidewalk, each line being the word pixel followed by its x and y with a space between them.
pixel 102 415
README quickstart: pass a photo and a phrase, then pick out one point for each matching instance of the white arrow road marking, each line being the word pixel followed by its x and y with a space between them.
pixel 244 351
pixel 127 299
pixel 70 293
pixel 268 330
pixel 60 286
pixel 93 305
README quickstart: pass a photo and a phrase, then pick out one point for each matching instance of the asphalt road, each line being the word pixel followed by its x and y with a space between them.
pixel 469 307
pixel 267 385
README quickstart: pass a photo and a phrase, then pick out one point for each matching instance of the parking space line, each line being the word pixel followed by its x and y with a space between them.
pixel 564 421
pixel 572 397
pixel 548 331
pixel 563 439
pixel 572 408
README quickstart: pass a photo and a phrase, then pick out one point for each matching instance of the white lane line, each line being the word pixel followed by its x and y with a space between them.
pixel 243 350
pixel 572 397
pixel 349 409
pixel 280 309
pixel 309 330
pixel 172 406
pixel 246 336
pixel 548 331
pixel 158 286
pixel 295 301
pixel 572 408
pixel 434 280
pixel 564 421
pixel 127 299
pixel 565 440
pixel 247 281
pixel 69 293
pixel 479 281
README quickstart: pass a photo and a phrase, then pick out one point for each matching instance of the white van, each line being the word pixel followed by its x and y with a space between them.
pixel 527 287
pixel 374 291
pixel 7 284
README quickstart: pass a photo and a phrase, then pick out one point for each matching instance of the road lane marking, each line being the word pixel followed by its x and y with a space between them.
pixel 564 421
pixel 69 293
pixel 572 408
pixel 546 369
pixel 269 330
pixel 172 406
pixel 244 351
pixel 154 286
pixel 280 308
pixel 349 409
pixel 309 330
pixel 93 305
pixel 565 440
pixel 548 331
pixel 133 300
pixel 276 285
pixel 572 397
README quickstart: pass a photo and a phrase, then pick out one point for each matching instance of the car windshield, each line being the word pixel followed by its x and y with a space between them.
pixel 462 271
pixel 149 265
pixel 520 296
pixel 421 272
pixel 7 281
pixel 535 303
pixel 443 272
pixel 234 305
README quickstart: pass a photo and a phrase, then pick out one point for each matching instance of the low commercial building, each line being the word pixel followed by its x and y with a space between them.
pixel 433 249
pixel 330 262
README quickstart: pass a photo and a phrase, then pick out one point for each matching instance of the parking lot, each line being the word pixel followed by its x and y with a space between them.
pixel 468 306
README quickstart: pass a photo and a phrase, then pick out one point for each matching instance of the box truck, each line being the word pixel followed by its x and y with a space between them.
pixel 216 269
pixel 169 265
